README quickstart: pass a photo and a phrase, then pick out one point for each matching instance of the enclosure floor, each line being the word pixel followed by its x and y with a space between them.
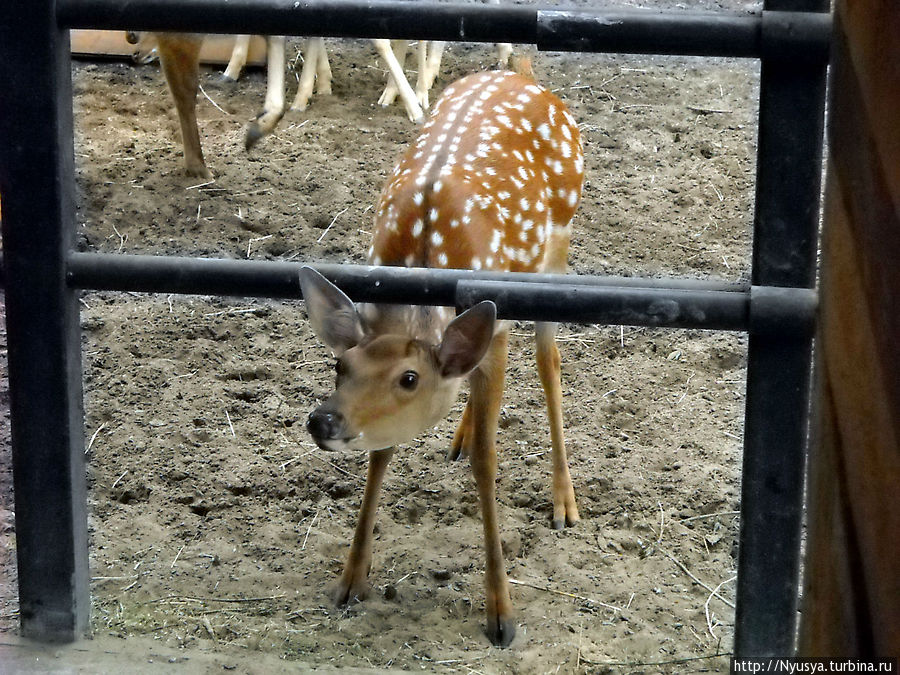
pixel 141 656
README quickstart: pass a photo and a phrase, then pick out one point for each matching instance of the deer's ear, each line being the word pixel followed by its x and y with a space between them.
pixel 332 314
pixel 466 340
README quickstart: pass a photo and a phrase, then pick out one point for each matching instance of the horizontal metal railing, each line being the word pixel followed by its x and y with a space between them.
pixel 670 303
pixel 788 35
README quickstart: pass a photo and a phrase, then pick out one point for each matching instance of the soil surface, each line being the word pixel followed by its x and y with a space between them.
pixel 217 527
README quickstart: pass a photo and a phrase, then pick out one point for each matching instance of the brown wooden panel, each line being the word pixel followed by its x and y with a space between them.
pixel 872 30
pixel 831 622
pixel 851 605
pixel 872 209
pixel 112 45
pixel 853 578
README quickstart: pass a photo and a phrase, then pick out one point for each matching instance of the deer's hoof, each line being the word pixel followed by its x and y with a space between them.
pixel 501 631
pixel 345 594
pixel 253 135
pixel 564 522
pixel 198 171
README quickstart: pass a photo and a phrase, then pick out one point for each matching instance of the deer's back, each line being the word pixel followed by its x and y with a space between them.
pixel 495 175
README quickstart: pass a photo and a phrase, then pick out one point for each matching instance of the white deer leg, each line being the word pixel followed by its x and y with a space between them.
pixel 435 54
pixel 273 110
pixel 308 73
pixel 238 58
pixel 398 48
pixel 430 54
pixel 504 51
pixel 422 80
pixel 407 95
pixel 323 70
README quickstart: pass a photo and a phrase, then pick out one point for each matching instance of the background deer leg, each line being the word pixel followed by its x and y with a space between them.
pixel 398 49
pixel 238 59
pixel 565 512
pixel 323 70
pixel 486 394
pixel 353 583
pixel 273 109
pixel 179 55
pixel 398 79
pixel 307 81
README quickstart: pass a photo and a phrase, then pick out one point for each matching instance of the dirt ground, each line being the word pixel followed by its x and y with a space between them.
pixel 217 527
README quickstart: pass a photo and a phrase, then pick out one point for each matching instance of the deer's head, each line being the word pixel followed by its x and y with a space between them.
pixel 391 384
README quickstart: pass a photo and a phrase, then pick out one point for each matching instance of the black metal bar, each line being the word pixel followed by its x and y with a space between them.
pixel 789 165
pixel 46 414
pixel 263 278
pixel 786 35
pixel 470 22
pixel 681 303
pixel 785 312
pixel 713 310
pixel 799 35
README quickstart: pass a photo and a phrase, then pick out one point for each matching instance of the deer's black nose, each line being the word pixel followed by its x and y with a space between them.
pixel 325 424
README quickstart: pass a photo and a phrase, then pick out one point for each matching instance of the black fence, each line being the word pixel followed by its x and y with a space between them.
pixel 43 275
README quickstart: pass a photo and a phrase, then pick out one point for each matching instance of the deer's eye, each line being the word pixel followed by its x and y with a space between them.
pixel 409 380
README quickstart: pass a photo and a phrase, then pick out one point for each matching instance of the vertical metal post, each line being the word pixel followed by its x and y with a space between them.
pixel 37 186
pixel 789 165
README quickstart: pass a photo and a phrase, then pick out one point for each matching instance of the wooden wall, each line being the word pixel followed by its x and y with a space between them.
pixel 851 602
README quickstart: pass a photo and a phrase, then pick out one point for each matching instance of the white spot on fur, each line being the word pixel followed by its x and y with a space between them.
pixel 495 241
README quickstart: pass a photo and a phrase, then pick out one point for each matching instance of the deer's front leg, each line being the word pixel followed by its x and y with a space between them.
pixel 179 55
pixel 353 584
pixel 486 393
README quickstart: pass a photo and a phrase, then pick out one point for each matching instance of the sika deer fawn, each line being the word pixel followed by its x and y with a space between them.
pixel 491 183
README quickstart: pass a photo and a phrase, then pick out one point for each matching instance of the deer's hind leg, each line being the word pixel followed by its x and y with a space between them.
pixel 463 435
pixel 565 512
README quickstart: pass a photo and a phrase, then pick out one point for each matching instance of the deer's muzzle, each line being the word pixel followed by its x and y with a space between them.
pixel 326 425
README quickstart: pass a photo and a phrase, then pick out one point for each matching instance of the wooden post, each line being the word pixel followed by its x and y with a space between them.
pixel 851 600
